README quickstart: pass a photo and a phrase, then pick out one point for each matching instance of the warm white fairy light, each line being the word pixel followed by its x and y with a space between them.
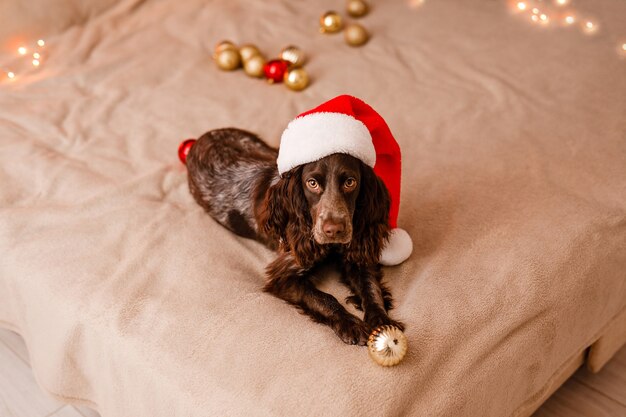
pixel 416 3
pixel 544 11
pixel 621 50
pixel 36 56
pixel 590 26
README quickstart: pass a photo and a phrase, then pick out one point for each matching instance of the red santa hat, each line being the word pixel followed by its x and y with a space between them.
pixel 348 125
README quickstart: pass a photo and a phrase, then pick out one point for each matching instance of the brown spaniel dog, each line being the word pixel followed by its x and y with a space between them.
pixel 332 209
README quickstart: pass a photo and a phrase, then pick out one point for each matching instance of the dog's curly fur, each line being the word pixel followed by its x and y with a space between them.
pixel 311 214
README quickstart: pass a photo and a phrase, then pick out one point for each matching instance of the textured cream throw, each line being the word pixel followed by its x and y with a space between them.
pixel 133 300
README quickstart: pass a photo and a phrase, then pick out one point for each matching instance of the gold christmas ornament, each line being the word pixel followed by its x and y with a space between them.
pixel 296 79
pixel 387 345
pixel 330 22
pixel 222 46
pixel 248 51
pixel 294 55
pixel 228 59
pixel 357 8
pixel 356 35
pixel 253 66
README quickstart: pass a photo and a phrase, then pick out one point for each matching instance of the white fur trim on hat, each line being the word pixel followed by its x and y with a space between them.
pixel 311 137
pixel 398 249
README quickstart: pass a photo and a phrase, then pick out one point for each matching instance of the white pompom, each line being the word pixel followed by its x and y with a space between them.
pixel 398 249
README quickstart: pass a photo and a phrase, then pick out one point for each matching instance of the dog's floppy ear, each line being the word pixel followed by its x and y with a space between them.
pixel 286 207
pixel 371 219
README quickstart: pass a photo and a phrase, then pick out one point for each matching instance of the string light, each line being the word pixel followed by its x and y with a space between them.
pixel 414 4
pixel 550 13
pixel 23 50
pixel 590 26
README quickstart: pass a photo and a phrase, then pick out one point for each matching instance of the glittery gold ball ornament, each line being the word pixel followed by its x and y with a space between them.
pixel 357 8
pixel 253 66
pixel 330 22
pixel 356 35
pixel 248 51
pixel 228 59
pixel 296 79
pixel 222 46
pixel 294 55
pixel 387 345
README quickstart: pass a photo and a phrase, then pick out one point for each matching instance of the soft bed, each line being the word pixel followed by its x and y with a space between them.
pixel 133 301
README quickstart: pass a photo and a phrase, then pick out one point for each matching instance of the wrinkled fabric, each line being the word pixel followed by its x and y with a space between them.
pixel 131 299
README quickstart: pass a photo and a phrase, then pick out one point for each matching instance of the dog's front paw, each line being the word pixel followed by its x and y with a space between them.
pixel 352 331
pixel 376 320
pixel 397 324
pixel 355 300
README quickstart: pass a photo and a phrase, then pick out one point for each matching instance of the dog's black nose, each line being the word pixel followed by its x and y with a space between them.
pixel 332 229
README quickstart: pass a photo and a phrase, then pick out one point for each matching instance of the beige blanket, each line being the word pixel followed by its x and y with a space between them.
pixel 133 300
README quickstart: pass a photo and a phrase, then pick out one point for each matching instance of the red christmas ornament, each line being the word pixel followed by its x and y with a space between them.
pixel 275 70
pixel 184 148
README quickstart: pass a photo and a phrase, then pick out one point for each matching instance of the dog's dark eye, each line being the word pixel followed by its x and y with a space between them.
pixel 349 183
pixel 312 184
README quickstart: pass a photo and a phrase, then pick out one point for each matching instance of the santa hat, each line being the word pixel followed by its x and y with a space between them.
pixel 348 125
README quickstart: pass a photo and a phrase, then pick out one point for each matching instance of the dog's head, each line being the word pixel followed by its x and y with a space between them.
pixel 331 186
pixel 336 200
